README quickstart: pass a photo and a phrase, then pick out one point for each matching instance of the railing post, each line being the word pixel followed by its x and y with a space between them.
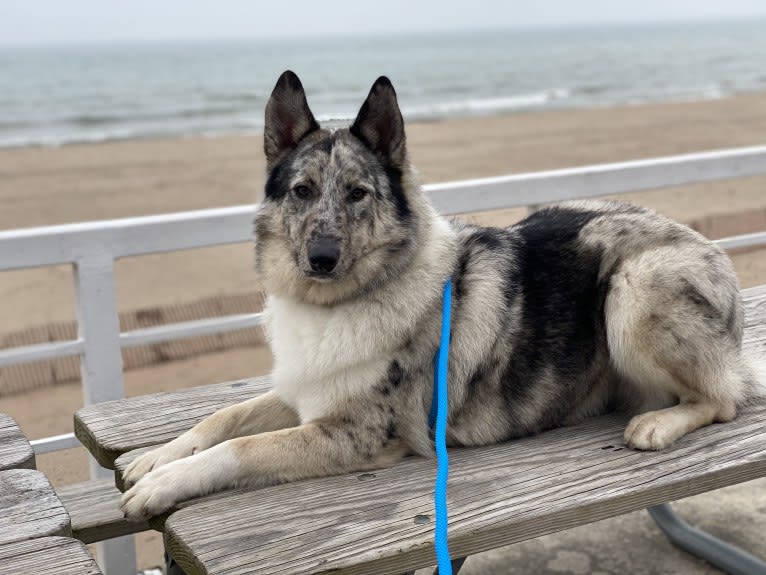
pixel 101 370
pixel 99 328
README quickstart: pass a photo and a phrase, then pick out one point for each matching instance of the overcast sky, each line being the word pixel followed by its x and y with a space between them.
pixel 68 21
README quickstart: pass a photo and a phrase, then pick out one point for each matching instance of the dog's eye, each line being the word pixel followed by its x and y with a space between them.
pixel 302 192
pixel 357 194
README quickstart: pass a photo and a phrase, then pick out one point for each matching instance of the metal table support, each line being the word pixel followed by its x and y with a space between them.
pixel 703 545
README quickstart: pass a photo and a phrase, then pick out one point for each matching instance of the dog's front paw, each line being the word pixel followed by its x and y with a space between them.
pixel 162 488
pixel 183 446
pixel 649 432
pixel 156 492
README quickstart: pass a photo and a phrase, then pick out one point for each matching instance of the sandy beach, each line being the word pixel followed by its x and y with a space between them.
pixel 45 186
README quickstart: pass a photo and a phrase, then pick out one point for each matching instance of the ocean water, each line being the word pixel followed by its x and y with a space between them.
pixel 53 95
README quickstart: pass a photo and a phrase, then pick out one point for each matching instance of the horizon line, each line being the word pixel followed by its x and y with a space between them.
pixel 379 34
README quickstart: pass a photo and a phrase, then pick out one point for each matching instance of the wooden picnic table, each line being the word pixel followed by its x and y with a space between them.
pixel 382 521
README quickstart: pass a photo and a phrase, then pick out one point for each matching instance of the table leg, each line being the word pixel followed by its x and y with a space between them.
pixel 700 544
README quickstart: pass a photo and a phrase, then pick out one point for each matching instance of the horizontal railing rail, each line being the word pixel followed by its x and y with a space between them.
pixel 92 247
pixel 144 336
pixel 597 180
pixel 52 245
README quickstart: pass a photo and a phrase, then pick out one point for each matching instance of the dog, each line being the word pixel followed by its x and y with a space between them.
pixel 581 308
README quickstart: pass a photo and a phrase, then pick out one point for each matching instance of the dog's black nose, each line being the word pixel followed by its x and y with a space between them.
pixel 324 254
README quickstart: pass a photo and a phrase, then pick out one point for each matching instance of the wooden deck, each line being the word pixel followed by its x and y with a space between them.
pixel 382 522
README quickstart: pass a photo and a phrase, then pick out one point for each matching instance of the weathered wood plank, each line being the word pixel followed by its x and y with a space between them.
pixel 47 556
pixel 15 450
pixel 93 507
pixel 111 428
pixel 381 522
pixel 29 507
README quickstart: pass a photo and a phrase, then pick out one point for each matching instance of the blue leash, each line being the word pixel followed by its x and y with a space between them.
pixel 438 417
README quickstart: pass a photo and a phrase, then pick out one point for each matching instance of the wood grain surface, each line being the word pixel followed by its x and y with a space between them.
pixel 93 507
pixel 29 507
pixel 15 450
pixel 111 428
pixel 47 556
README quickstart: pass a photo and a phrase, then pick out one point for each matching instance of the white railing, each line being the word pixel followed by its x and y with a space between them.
pixel 92 248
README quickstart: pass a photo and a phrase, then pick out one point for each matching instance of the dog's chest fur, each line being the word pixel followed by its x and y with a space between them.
pixel 323 357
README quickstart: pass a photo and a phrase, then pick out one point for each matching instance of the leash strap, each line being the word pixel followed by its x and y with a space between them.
pixel 438 417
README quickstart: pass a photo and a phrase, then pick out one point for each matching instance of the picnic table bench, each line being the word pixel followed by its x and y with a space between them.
pixel 35 529
pixel 382 521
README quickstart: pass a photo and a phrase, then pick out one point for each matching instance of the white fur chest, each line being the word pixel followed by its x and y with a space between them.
pixel 323 357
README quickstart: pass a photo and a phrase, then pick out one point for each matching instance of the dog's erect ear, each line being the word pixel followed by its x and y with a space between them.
pixel 288 118
pixel 379 123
